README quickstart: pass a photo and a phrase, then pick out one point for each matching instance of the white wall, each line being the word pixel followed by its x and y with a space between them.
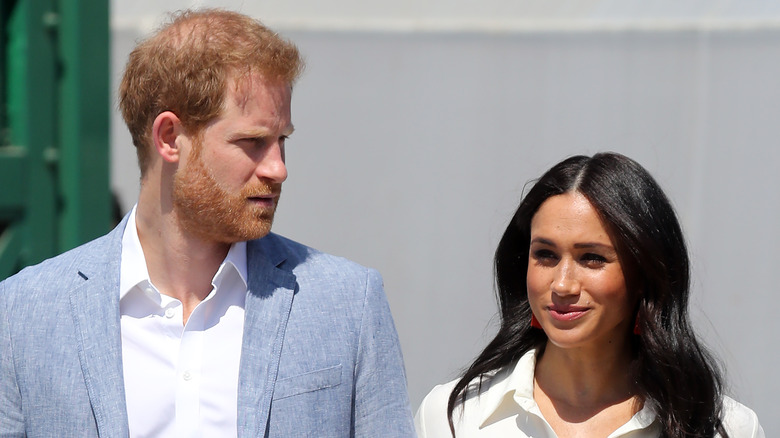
pixel 418 124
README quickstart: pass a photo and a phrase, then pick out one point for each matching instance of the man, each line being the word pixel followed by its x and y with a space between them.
pixel 190 318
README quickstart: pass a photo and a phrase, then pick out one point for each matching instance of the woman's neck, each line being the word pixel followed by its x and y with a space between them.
pixel 587 378
pixel 584 393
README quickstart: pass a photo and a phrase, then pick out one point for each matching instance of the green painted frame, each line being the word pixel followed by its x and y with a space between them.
pixel 54 121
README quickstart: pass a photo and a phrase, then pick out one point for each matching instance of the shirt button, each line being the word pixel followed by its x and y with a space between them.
pixel 186 376
pixel 169 312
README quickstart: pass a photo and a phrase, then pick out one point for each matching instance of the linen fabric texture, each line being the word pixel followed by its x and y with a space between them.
pixel 506 408
pixel 319 356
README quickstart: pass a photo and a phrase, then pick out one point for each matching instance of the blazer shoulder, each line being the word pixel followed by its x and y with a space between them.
pixel 300 256
pixel 321 277
pixel 68 266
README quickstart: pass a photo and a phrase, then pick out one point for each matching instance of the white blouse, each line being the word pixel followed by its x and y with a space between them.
pixel 506 408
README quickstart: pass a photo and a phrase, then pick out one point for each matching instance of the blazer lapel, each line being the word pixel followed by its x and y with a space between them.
pixel 267 309
pixel 95 310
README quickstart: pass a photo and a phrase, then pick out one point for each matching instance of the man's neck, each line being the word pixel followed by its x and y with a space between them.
pixel 180 264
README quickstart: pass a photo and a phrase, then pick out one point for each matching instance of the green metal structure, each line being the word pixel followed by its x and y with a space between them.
pixel 54 119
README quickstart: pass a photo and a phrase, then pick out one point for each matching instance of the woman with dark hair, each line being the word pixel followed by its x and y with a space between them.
pixel 592 277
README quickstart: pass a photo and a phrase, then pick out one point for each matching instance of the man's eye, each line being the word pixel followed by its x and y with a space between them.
pixel 250 141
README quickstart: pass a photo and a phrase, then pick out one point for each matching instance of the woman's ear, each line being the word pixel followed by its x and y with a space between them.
pixel 165 129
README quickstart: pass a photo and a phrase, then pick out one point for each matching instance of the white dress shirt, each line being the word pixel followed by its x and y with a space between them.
pixel 507 409
pixel 180 380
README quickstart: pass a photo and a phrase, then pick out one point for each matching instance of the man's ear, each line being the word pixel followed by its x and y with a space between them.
pixel 165 130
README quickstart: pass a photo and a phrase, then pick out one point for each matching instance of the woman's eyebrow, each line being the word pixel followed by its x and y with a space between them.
pixel 581 245
pixel 543 241
pixel 593 245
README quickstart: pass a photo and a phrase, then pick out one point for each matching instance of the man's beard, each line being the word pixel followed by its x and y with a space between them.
pixel 210 212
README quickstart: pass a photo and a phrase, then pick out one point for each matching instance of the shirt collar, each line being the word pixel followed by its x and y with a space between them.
pixel 516 384
pixel 133 271
pixel 235 261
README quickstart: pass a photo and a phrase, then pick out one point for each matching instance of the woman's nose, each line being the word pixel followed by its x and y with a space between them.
pixel 565 281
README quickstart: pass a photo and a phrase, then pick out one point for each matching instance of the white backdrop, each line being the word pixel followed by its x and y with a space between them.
pixel 418 124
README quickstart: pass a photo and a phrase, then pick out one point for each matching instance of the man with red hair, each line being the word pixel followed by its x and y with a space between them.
pixel 191 318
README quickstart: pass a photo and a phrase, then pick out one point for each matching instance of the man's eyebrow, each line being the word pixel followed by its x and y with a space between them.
pixel 262 132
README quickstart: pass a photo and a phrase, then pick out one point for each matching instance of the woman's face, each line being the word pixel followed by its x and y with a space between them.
pixel 576 286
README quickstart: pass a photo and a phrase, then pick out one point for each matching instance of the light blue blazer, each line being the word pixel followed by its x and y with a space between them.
pixel 320 355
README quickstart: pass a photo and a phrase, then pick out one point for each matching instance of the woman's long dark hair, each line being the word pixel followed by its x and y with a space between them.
pixel 674 373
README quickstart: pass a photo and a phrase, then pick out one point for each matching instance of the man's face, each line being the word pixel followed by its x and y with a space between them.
pixel 228 185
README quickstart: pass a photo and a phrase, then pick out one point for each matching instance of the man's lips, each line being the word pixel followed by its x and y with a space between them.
pixel 567 313
pixel 263 199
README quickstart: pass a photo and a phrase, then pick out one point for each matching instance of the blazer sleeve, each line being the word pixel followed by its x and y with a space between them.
pixel 382 406
pixel 11 417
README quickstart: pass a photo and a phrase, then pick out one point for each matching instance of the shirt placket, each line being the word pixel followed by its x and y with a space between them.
pixel 188 375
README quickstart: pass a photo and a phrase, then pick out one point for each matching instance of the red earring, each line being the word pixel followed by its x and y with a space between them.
pixel 637 328
pixel 535 322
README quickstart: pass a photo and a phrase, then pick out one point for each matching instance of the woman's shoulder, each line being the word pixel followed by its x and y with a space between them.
pixel 740 421
pixel 431 419
pixel 486 394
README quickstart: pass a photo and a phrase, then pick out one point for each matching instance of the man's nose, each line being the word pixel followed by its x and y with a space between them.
pixel 271 166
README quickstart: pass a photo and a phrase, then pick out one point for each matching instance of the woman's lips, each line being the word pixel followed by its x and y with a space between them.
pixel 567 313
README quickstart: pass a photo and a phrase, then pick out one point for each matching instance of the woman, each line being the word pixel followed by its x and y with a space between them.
pixel 592 276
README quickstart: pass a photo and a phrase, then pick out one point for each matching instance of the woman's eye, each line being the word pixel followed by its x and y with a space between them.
pixel 544 253
pixel 545 256
pixel 594 259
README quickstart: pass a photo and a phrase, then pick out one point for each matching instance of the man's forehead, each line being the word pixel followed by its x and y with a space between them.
pixel 241 87
pixel 255 107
